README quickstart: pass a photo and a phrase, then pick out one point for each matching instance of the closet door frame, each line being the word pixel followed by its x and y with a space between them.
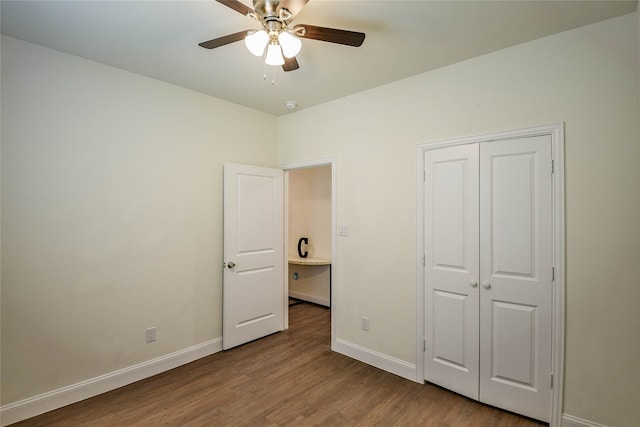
pixel 556 132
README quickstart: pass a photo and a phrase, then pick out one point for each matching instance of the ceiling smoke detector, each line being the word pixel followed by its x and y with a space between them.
pixel 291 105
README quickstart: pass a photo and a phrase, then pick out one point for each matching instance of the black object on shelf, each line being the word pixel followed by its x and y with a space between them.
pixel 302 240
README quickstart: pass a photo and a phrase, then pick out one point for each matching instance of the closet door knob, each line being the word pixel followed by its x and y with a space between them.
pixel 486 285
pixel 231 264
pixel 474 284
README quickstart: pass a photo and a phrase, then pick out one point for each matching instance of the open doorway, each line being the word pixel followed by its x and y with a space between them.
pixel 310 243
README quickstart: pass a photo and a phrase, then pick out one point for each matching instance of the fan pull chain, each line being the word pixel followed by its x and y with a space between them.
pixel 273 74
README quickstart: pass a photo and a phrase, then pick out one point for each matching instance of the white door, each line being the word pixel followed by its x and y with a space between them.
pixel 516 275
pixel 451 268
pixel 488 221
pixel 253 282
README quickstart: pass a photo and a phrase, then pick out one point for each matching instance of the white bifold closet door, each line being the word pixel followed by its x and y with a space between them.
pixel 488 272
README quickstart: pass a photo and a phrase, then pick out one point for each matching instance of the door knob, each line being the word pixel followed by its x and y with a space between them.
pixel 231 264
pixel 486 285
pixel 474 284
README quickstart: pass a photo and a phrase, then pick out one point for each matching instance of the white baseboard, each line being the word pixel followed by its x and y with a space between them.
pixel 55 399
pixel 571 421
pixel 310 298
pixel 379 360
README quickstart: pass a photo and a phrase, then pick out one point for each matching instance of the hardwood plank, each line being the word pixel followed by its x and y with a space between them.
pixel 287 379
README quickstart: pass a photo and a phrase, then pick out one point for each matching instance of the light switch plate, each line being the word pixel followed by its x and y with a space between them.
pixel 343 230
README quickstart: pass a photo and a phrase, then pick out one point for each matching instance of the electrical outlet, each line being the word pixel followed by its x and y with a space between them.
pixel 364 323
pixel 151 334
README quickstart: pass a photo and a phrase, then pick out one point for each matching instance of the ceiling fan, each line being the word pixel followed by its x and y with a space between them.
pixel 277 35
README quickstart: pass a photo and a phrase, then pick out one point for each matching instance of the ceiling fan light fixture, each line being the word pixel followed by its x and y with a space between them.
pixel 290 45
pixel 256 41
pixel 274 55
pixel 278 37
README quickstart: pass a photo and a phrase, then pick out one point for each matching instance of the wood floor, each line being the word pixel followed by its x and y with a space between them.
pixel 287 379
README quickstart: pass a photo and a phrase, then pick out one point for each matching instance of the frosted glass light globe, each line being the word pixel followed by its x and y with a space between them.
pixel 256 42
pixel 290 45
pixel 274 55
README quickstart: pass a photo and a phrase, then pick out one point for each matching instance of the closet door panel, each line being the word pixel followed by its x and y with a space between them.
pixel 451 268
pixel 515 275
pixel 514 327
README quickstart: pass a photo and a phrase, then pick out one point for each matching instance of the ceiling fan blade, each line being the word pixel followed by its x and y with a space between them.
pixel 293 6
pixel 349 38
pixel 290 64
pixel 221 41
pixel 237 6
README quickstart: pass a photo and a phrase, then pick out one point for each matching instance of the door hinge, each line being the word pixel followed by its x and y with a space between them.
pixel 553 274
pixel 424 176
pixel 424 260
pixel 552 166
pixel 551 381
pixel 424 345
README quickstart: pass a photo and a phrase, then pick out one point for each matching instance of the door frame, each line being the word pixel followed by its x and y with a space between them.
pixel 556 131
pixel 334 268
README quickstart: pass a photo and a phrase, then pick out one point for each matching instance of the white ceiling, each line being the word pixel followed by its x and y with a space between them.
pixel 160 39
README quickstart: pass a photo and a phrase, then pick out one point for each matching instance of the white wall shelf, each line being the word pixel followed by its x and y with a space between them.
pixel 309 261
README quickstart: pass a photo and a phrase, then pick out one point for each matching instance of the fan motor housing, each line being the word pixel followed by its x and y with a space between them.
pixel 266 7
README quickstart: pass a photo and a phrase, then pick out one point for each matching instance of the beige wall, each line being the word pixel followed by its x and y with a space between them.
pixel 310 210
pixel 587 78
pixel 111 215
